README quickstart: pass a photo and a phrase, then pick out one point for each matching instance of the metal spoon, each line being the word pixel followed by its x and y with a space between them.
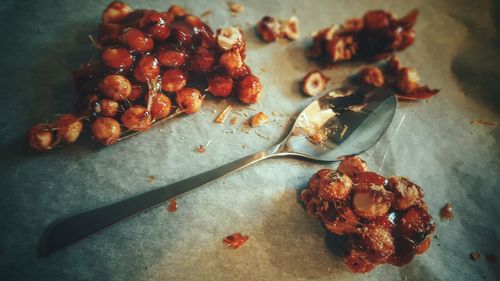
pixel 345 121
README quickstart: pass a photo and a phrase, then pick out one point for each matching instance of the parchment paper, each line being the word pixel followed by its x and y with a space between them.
pixel 432 142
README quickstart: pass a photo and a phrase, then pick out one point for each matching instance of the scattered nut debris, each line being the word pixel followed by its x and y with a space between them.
pixel 271 29
pixel 475 256
pixel 206 13
pixel 235 8
pixel 244 146
pixel 233 121
pixel 483 122
pixel 222 116
pixel 491 257
pixel 172 206
pixel 314 83
pixel 235 240
pixel 258 119
pixel 151 178
pixel 446 213
pixel 201 148
pixel 317 138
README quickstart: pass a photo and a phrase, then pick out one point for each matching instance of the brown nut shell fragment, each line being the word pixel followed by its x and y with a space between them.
pixel 314 83
pixel 416 224
pixel 40 137
pixel 335 186
pixel 106 130
pixel 352 166
pixel 372 201
pixel 137 118
pixel 69 128
pixel 406 193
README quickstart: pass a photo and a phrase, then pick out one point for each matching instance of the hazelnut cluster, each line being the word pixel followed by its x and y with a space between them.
pixel 374 37
pixel 271 29
pixel 404 81
pixel 150 63
pixel 386 220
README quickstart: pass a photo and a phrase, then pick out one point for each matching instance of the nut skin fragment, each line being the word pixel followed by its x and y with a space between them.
pixel 446 212
pixel 291 28
pixel 258 119
pixel 314 83
pixel 406 193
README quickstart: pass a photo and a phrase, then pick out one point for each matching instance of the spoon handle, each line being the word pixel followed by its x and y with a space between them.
pixel 73 228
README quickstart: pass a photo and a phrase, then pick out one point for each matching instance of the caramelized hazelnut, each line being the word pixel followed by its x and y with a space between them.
pixel 137 118
pixel 228 38
pixel 220 85
pixel 189 100
pixel 68 127
pixel 291 28
pixel 115 87
pixel 314 83
pixel 202 60
pixel 40 137
pixel 407 79
pixel 106 130
pixel 416 224
pixel 146 69
pixel 372 201
pixel 314 182
pixel 249 89
pixel 115 12
pixel 269 29
pixel 117 58
pixel 156 25
pixel 160 106
pixel 357 263
pixel 406 193
pixel 335 186
pixel 136 93
pixel 109 108
pixel 171 56
pixel 173 80
pixel 375 242
pixel 352 166
pixel 136 40
pixel 372 76
pixel 376 20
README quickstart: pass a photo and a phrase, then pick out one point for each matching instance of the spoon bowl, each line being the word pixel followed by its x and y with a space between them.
pixel 342 122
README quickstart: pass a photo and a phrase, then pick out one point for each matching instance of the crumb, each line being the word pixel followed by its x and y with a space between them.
pixel 233 121
pixel 222 116
pixel 446 213
pixel 483 122
pixel 235 240
pixel 206 13
pixel 343 131
pixel 491 257
pixel 317 138
pixel 172 206
pixel 151 178
pixel 475 256
pixel 262 69
pixel 244 146
pixel 201 149
pixel 258 119
pixel 235 8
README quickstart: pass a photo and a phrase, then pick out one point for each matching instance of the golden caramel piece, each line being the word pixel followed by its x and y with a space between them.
pixel 258 119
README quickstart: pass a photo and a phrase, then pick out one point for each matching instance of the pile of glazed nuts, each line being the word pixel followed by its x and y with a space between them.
pixel 385 220
pixel 151 62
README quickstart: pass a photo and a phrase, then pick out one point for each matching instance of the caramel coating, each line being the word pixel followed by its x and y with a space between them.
pixel 335 186
pixel 40 137
pixel 189 100
pixel 68 127
pixel 115 87
pixel 352 166
pixel 137 118
pixel 249 89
